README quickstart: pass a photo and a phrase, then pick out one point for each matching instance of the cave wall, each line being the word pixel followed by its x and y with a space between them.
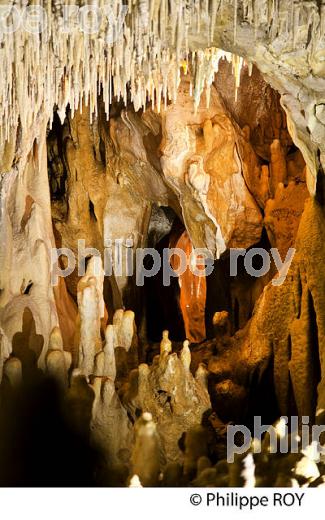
pixel 26 242
pixel 225 171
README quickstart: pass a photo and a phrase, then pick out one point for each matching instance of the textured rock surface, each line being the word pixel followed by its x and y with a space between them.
pixel 214 157
pixel 202 160
pixel 192 287
pixel 287 326
pixel 26 242
pixel 175 399
pixel 287 48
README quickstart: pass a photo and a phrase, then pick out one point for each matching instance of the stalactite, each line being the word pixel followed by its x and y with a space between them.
pixel 57 68
pixel 214 10
pixel 237 67
pixel 235 20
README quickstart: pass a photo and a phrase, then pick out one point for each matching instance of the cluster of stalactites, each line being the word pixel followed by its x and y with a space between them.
pixel 141 54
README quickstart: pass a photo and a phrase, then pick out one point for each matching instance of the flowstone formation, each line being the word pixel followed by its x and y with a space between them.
pixel 180 125
pixel 176 399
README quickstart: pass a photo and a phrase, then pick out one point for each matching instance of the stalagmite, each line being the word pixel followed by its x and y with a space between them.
pixel 90 326
pixel 117 323
pixel 186 355
pixel 135 482
pixel 146 451
pixel 265 184
pixel 278 165
pixel 109 355
pixel 201 376
pixel 165 344
pixel 12 369
pixel 55 341
pixel 56 367
pixel 121 348
pixel 99 368
pixel 127 330
pixel 307 467
pixel 91 310
pixel 110 425
pixel 143 374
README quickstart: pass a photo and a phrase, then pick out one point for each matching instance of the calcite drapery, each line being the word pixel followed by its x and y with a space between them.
pixel 202 161
pixel 26 242
pixel 192 297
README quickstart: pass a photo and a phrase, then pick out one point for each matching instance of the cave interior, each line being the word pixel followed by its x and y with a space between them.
pixel 108 381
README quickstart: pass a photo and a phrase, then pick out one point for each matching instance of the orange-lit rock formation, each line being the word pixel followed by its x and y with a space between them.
pixel 192 297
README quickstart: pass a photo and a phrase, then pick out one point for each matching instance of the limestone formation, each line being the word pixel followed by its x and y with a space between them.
pixel 165 344
pixel 193 148
pixel 186 355
pixel 192 298
pixel 146 451
pixel 57 367
pixel 109 357
pixel 283 213
pixel 110 426
pixel 180 125
pixel 91 310
pixel 12 370
pixel 174 398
